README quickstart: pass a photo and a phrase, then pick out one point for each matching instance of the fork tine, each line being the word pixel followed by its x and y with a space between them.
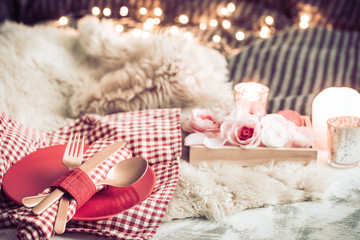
pixel 76 145
pixel 73 146
pixel 67 149
pixel 82 147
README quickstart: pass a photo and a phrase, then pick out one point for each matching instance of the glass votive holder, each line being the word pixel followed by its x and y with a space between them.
pixel 251 97
pixel 344 141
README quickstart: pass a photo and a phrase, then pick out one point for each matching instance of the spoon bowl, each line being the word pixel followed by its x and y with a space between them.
pixel 126 172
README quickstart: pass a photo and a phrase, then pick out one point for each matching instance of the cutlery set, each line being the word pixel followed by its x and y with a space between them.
pixel 122 174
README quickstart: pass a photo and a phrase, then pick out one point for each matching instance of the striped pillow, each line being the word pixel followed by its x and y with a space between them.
pixel 297 64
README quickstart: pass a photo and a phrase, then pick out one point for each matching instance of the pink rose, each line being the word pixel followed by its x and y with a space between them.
pixel 202 120
pixel 244 133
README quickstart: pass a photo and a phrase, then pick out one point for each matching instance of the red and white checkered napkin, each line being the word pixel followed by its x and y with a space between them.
pixel 152 134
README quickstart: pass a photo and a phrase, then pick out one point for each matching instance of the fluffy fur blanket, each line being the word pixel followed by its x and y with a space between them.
pixel 63 73
pixel 50 76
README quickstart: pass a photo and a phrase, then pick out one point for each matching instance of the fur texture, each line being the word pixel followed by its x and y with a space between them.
pixel 215 190
pixel 97 70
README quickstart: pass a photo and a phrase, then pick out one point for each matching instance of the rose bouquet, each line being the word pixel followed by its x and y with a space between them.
pixel 277 130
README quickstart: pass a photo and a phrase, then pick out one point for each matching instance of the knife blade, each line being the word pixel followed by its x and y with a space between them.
pixel 100 156
pixel 87 167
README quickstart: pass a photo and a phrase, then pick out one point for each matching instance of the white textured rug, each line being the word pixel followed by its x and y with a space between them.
pixel 216 190
pixel 50 76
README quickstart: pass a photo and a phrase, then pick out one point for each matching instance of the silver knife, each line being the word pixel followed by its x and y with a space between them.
pixel 87 167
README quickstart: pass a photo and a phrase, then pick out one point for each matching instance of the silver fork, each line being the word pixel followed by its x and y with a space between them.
pixel 72 159
pixel 73 155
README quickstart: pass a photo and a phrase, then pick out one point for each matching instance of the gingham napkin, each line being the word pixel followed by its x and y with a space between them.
pixel 152 134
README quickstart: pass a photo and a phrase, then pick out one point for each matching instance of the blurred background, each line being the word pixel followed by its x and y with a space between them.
pixel 224 23
pixel 296 47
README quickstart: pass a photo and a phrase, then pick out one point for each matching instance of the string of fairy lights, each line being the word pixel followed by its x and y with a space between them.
pixel 153 18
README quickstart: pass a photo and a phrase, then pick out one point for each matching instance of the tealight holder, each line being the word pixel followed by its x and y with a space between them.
pixel 251 97
pixel 344 141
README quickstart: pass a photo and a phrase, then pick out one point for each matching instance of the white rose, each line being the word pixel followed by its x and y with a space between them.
pixel 270 119
pixel 275 135
pixel 302 137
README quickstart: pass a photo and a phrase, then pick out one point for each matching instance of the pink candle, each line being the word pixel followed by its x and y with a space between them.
pixel 251 97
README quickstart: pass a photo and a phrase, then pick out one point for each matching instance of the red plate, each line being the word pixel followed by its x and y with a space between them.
pixel 38 170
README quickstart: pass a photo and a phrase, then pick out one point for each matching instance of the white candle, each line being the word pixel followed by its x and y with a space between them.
pixel 332 102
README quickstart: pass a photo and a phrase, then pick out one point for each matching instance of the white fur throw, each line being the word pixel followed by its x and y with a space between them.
pixel 218 189
pixel 49 76
pixel 67 73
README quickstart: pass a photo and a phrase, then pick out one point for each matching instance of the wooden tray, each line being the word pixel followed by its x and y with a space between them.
pixel 255 156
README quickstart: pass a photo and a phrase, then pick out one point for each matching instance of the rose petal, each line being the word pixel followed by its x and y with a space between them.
pixel 292 116
pixel 272 118
pixel 215 142
pixel 186 126
pixel 302 137
pixel 225 127
pixel 194 138
pixel 232 133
